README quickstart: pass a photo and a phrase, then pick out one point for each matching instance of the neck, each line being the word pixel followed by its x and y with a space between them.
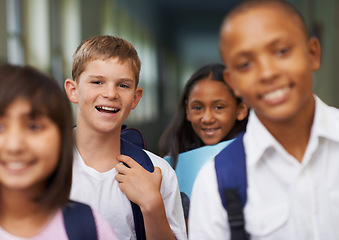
pixel 20 215
pixel 98 150
pixel 294 134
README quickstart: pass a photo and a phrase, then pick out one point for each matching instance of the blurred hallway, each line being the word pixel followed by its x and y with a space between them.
pixel 173 38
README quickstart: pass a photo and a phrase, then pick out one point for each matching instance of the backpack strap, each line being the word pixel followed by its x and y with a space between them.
pixel 141 157
pixel 230 166
pixel 133 135
pixel 79 221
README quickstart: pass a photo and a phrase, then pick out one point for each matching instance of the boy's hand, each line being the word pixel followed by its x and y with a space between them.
pixel 139 185
pixel 143 188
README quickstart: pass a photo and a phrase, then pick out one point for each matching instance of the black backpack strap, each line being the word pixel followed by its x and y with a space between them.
pixel 230 166
pixel 141 157
pixel 79 221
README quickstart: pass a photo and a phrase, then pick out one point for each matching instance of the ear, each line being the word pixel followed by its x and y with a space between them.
pixel 188 116
pixel 71 90
pixel 229 81
pixel 242 111
pixel 315 53
pixel 137 96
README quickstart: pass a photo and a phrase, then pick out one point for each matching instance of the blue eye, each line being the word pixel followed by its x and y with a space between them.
pixel 97 82
pixel 122 85
pixel 219 107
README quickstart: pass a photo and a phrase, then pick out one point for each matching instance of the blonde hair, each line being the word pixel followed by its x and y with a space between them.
pixel 103 48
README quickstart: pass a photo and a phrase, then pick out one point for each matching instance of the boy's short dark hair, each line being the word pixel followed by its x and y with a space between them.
pixel 103 48
pixel 279 4
pixel 46 98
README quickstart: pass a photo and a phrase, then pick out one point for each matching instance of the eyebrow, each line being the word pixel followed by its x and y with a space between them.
pixel 127 80
pixel 103 77
pixel 28 115
pixel 245 53
pixel 35 114
pixel 214 101
pixel 96 76
pixel 248 52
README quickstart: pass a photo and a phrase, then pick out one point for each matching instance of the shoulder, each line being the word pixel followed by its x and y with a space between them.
pixel 332 111
pixel 205 182
pixel 159 162
pixel 169 177
pixel 207 216
pixel 322 106
pixel 207 172
pixel 326 120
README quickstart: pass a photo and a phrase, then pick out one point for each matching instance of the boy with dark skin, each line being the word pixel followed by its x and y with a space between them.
pixel 292 139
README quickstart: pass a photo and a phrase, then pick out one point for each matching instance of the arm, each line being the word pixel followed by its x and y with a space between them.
pixel 143 188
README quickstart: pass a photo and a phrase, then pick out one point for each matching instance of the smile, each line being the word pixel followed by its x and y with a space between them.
pixel 107 109
pixel 15 166
pixel 279 93
pixel 210 131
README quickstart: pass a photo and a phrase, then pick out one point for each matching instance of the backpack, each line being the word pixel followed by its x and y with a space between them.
pixel 230 166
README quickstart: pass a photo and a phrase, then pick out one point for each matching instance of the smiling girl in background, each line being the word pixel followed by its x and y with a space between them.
pixel 208 113
pixel 208 116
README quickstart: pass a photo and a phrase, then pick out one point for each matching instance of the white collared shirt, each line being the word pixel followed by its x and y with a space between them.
pixel 286 199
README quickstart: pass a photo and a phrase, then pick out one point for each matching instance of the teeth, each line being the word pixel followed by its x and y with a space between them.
pixel 276 94
pixel 108 108
pixel 16 165
pixel 210 129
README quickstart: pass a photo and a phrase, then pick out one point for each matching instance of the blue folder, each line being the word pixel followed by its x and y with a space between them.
pixel 190 162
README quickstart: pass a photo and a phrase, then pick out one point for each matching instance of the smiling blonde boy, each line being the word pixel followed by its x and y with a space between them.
pixel 105 88
pixel 292 138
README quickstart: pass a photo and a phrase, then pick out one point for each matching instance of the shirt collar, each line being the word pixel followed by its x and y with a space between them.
pixel 258 140
pixel 326 121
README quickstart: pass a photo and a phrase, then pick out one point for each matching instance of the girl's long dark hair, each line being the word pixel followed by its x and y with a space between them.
pixel 179 135
pixel 46 98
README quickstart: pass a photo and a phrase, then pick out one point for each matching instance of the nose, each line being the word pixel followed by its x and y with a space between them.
pixel 207 117
pixel 267 69
pixel 13 140
pixel 110 92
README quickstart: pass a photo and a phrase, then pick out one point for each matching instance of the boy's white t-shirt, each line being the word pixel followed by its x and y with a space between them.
pixel 101 191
